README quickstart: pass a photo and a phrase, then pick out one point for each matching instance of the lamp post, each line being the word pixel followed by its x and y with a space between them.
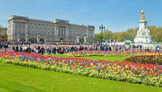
pixel 101 28
pixel 5 40
pixel 114 45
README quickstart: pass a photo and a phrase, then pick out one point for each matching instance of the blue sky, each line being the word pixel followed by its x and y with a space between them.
pixel 115 15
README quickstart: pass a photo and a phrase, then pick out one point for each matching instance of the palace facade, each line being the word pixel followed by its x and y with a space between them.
pixel 3 34
pixel 25 29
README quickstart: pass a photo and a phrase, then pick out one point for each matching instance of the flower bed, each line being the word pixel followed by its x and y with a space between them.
pixel 150 58
pixel 100 53
pixel 106 53
pixel 149 74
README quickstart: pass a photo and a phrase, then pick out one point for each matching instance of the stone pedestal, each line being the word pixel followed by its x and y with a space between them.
pixel 143 34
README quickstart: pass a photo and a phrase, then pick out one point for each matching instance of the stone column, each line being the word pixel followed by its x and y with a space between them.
pixel 77 39
pixel 55 31
pixel 87 33
pixel 38 38
pixel 45 39
pixel 13 28
pixel 26 28
pixel 13 31
pixel 60 31
pixel 93 34
pixel 64 32
pixel 85 39
pixel 67 32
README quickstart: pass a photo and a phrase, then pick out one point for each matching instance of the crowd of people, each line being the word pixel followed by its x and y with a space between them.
pixel 53 49
pixel 58 49
pixel 3 45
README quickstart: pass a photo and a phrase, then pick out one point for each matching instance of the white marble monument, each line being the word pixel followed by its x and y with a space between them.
pixel 143 34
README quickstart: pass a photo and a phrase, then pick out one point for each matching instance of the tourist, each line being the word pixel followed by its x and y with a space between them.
pixel 13 48
pixel 158 49
pixel 21 49
pixel 62 50
pixel 49 50
pixel 106 48
pixel 25 48
pixel 42 50
pixel 17 48
pixel 28 49
pixel 34 49
pixel 54 50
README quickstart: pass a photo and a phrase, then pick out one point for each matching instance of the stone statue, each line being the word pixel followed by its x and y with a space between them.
pixel 18 38
pixel 143 34
pixel 143 17
pixel 110 40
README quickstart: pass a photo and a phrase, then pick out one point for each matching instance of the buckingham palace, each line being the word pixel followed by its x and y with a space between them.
pixel 24 29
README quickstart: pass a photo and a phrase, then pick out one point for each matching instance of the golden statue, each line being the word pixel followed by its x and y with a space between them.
pixel 143 17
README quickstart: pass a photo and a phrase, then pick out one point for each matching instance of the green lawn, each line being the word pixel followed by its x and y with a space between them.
pixel 92 57
pixel 24 79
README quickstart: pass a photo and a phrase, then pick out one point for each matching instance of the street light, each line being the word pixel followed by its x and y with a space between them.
pixel 101 28
pixel 5 39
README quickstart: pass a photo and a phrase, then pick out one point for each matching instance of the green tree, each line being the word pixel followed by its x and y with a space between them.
pixel 153 32
pixel 122 36
pixel 159 33
pixel 107 34
pixel 130 33
pixel 115 36
pixel 98 36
